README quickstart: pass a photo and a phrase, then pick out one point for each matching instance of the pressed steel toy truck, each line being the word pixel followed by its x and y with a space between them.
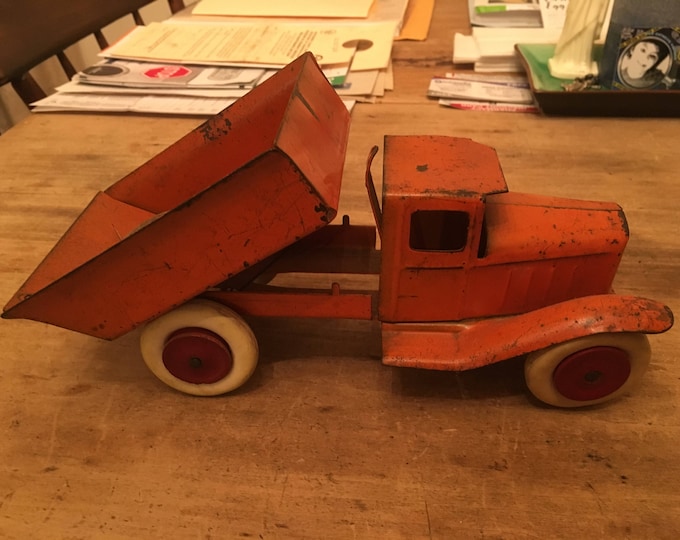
pixel 469 274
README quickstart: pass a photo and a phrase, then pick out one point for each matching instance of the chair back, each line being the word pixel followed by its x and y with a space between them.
pixel 34 30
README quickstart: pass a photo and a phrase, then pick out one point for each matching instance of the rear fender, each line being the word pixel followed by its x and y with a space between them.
pixel 458 347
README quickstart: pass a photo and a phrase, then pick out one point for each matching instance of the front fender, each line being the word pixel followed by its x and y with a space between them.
pixel 472 344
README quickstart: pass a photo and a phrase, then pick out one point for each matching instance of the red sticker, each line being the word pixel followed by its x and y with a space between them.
pixel 167 72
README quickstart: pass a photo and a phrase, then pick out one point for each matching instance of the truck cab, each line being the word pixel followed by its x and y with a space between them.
pixel 457 245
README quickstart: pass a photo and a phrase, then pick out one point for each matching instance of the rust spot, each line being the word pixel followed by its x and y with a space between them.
pixel 325 213
pixel 624 222
pixel 212 131
pixel 421 168
pixel 324 210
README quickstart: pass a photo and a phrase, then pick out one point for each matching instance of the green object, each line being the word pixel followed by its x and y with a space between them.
pixel 536 57
pixel 489 9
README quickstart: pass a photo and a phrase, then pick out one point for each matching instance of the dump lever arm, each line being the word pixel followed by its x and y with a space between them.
pixel 372 194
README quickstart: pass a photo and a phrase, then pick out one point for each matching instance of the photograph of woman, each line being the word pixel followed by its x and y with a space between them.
pixel 645 63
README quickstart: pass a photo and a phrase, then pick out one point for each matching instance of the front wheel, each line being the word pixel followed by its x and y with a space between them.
pixel 200 348
pixel 588 370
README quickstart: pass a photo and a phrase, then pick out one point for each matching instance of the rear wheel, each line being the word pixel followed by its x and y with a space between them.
pixel 588 370
pixel 201 348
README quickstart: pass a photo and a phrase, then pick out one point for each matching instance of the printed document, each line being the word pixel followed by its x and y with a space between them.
pixel 234 43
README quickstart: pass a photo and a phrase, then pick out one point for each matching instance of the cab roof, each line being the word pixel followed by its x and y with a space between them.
pixel 439 165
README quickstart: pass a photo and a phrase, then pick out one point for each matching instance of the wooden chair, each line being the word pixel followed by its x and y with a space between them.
pixel 34 30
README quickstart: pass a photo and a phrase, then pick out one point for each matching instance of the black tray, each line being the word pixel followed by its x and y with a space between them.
pixel 552 99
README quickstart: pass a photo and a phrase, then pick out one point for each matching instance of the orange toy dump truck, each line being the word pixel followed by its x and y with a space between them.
pixel 469 274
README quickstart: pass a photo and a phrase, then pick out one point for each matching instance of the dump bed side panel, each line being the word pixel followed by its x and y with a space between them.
pixel 314 134
pixel 247 183
pixel 214 149
pixel 232 225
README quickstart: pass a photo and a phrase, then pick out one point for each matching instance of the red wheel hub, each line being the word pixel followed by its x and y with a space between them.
pixel 592 373
pixel 197 356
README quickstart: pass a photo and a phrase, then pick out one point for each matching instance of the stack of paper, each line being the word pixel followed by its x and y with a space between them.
pixel 505 13
pixel 123 85
pixel 498 25
pixel 483 92
pixel 217 50
pixel 493 49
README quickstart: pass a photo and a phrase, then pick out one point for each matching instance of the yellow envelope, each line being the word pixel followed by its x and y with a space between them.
pixel 417 20
pixel 373 42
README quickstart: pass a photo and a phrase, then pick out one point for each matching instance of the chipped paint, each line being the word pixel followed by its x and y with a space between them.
pixel 213 129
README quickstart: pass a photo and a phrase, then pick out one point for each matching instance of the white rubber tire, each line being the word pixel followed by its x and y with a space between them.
pixel 214 317
pixel 540 366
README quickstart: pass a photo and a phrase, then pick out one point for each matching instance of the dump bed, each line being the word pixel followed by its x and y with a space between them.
pixel 250 181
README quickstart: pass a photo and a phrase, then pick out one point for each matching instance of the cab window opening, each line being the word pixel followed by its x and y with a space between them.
pixel 439 230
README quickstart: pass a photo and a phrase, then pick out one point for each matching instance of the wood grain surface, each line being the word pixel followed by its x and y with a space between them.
pixel 325 442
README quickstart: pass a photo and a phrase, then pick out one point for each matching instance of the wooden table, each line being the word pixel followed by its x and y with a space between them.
pixel 325 442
